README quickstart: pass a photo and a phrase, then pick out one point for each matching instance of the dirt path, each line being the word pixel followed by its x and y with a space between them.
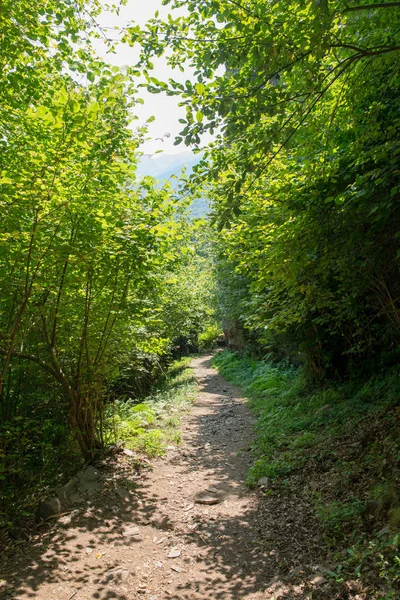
pixel 118 546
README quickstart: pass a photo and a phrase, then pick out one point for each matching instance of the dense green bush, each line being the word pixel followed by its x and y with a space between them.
pixel 151 425
pixel 209 337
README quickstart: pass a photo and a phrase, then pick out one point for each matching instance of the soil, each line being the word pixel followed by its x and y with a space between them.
pixel 187 529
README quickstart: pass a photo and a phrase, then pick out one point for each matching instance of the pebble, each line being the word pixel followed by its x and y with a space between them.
pixel 176 569
pixel 160 541
pixel 207 498
pixel 131 530
pixel 128 452
pixel 264 482
pixel 318 580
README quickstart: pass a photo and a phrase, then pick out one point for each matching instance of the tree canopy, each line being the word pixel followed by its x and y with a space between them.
pixel 90 256
pixel 303 173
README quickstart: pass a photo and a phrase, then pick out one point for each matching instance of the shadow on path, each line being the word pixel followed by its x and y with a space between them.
pixel 248 546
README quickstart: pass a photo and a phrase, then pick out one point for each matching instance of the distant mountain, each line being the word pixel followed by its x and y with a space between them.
pixel 163 166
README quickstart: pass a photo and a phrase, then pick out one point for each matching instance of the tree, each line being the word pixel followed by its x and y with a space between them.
pixel 304 170
pixel 262 67
pixel 83 249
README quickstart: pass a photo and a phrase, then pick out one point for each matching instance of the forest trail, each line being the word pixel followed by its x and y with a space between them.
pixel 145 536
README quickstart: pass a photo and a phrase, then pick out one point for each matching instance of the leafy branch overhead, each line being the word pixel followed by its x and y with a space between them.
pixel 301 98
pixel 261 68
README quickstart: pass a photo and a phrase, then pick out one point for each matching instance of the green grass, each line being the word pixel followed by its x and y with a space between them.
pixel 152 425
pixel 336 515
pixel 292 417
pixel 339 445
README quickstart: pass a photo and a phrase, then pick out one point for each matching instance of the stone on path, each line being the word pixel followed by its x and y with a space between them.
pixel 128 452
pixel 264 482
pixel 89 480
pixel 208 498
pixel 47 509
pixel 122 493
pixel 66 491
pixel 131 531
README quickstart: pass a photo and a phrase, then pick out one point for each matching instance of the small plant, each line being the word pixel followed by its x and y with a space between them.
pixel 152 443
pixel 208 338
pixel 380 555
pixel 150 426
pixel 273 470
pixel 305 440
pixel 337 515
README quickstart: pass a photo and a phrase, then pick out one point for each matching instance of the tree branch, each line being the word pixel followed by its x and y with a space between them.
pixel 367 52
pixel 32 358
pixel 371 6
pixel 347 62
pixel 246 10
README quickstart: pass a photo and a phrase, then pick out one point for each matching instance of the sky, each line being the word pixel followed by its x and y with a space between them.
pixel 164 108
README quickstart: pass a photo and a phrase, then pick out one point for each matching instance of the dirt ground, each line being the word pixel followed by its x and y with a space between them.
pixel 143 535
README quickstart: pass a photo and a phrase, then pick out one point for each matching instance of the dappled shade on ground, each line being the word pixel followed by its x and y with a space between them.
pixel 248 545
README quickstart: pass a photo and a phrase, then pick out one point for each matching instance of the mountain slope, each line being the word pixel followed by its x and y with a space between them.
pixel 164 166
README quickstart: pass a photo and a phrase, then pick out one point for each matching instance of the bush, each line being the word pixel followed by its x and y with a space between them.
pixel 209 338
pixel 149 426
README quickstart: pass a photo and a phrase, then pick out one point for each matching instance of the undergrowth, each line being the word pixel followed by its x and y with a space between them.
pixel 150 426
pixel 341 445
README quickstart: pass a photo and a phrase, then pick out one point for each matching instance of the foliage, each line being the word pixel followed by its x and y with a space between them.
pixel 209 337
pixel 381 556
pixel 338 515
pixel 303 174
pixel 260 66
pixel 87 254
pixel 189 307
pixel 150 426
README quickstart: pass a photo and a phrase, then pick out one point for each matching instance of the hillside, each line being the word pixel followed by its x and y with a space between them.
pixel 165 166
